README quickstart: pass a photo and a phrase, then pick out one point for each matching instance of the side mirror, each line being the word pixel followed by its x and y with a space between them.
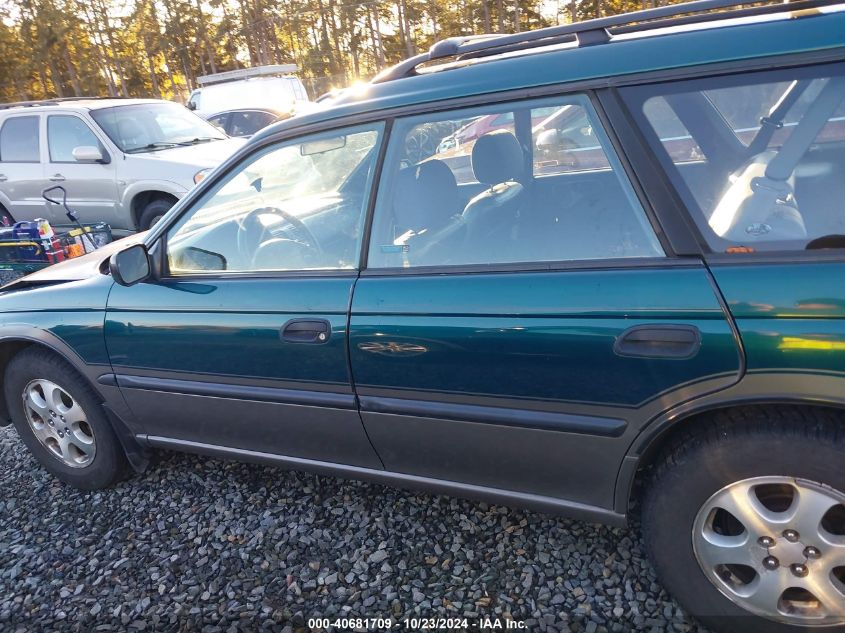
pixel 548 139
pixel 131 265
pixel 191 106
pixel 88 154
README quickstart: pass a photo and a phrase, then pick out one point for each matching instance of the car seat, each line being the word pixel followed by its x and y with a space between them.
pixel 498 162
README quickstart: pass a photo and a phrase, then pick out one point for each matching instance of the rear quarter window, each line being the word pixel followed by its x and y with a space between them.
pixel 758 157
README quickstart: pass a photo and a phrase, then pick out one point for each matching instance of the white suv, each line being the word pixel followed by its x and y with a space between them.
pixel 122 161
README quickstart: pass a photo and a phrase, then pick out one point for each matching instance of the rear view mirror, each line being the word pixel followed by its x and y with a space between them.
pixel 87 154
pixel 323 145
pixel 193 258
pixel 130 266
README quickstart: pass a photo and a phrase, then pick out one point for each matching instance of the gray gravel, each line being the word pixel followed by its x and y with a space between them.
pixel 200 544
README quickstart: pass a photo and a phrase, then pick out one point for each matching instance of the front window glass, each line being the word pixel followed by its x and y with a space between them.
pixel 524 182
pixel 66 133
pixel 150 127
pixel 295 206
pixel 759 158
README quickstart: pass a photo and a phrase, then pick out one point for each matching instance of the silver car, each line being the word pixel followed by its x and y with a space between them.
pixel 122 161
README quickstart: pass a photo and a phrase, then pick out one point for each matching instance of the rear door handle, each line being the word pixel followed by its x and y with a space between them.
pixel 57 178
pixel 306 331
pixel 3 178
pixel 659 341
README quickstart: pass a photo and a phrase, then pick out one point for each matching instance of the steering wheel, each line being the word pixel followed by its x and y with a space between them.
pixel 252 233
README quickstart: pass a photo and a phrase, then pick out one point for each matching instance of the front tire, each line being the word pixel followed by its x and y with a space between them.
pixel 744 520
pixel 59 418
pixel 153 212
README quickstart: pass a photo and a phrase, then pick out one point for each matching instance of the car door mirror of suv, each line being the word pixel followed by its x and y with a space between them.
pixel 131 265
pixel 89 154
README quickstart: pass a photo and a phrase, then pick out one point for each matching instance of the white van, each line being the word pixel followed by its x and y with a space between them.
pixel 272 88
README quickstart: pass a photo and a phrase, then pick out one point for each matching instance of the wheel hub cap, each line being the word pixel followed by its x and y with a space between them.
pixel 59 423
pixel 775 546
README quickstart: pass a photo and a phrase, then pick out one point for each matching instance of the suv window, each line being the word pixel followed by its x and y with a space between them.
pixel 248 122
pixel 294 206
pixel 64 134
pixel 476 200
pixel 19 140
pixel 759 158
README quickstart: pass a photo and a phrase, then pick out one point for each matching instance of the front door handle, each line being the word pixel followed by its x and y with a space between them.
pixel 306 331
pixel 659 341
pixel 57 178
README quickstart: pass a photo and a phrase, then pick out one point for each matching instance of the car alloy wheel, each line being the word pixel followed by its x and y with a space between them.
pixel 59 423
pixel 775 546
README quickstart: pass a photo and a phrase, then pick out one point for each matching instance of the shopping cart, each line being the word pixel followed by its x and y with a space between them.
pixel 26 247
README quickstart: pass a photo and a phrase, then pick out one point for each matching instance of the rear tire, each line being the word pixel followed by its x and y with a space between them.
pixel 153 212
pixel 59 417
pixel 718 511
pixel 6 218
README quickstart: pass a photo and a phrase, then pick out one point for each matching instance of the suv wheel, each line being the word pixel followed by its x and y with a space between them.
pixel 6 218
pixel 153 212
pixel 747 518
pixel 59 418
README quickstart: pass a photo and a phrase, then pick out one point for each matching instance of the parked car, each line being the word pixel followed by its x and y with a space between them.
pixel 245 122
pixel 273 88
pixel 122 161
pixel 659 333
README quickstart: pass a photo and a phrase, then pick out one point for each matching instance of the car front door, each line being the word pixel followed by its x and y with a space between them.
pixel 240 342
pixel 515 327
pixel 91 186
pixel 21 169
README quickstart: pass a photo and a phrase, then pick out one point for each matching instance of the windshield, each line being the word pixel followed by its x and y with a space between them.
pixel 147 127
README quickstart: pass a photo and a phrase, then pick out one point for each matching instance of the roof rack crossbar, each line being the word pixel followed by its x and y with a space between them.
pixel 596 31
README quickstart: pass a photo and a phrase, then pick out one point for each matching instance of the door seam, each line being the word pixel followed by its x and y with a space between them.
pixel 352 383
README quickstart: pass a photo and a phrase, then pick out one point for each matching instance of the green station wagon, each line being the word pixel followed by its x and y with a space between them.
pixel 595 270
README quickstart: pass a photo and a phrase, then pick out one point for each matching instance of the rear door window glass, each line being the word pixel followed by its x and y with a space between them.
pixel 478 186
pixel 565 141
pixel 19 140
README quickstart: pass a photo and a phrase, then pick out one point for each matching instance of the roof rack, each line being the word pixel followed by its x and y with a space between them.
pixel 53 101
pixel 597 31
pixel 246 73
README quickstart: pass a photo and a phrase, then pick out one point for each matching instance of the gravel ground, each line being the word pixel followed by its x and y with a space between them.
pixel 200 544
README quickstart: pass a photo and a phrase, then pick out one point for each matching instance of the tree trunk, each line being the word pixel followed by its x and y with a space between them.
pixel 152 67
pixel 55 76
pixel 71 71
pixel 203 32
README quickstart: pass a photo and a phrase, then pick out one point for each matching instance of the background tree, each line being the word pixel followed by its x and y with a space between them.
pixel 158 48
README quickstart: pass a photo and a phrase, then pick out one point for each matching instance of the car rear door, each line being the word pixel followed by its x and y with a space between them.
pixel 21 168
pixel 520 338
pixel 240 342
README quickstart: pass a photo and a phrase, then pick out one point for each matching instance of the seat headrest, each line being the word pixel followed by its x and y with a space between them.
pixel 497 157
pixel 426 196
